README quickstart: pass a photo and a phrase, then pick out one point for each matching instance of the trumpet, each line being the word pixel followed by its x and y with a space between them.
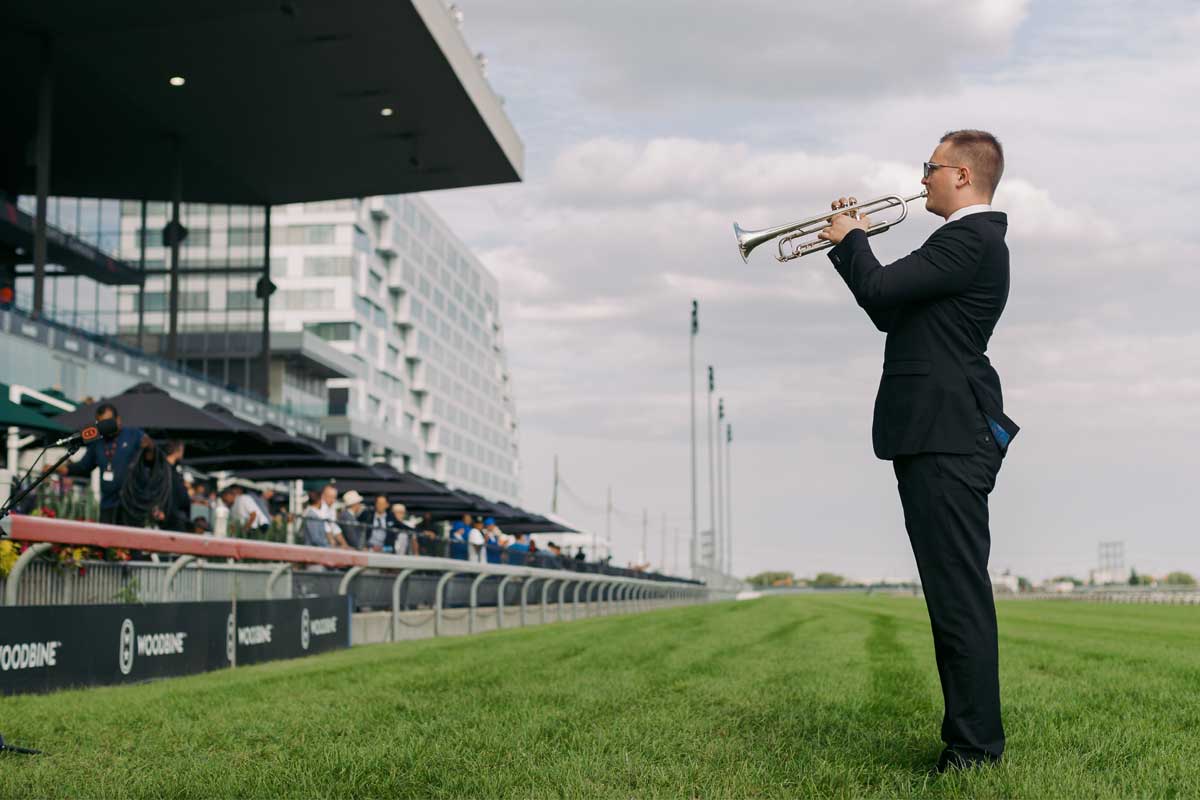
pixel 748 240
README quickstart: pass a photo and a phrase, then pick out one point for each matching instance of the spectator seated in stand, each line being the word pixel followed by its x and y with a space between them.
pixel 243 511
pixel 313 523
pixel 333 531
pixel 476 540
pixel 380 526
pixel 458 541
pixel 518 551
pixel 347 520
pixel 491 544
pixel 406 536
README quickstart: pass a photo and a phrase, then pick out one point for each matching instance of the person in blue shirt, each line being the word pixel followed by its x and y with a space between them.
pixel 458 541
pixel 112 454
pixel 491 541
pixel 518 551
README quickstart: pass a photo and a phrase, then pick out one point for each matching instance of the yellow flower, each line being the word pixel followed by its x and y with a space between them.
pixel 8 557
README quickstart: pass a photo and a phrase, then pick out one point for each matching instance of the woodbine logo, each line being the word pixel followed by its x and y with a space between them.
pixel 29 655
pixel 254 634
pixel 147 645
pixel 322 626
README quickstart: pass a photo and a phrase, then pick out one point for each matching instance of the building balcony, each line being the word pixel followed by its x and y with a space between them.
pixel 378 208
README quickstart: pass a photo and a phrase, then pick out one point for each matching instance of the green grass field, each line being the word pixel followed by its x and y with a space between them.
pixel 778 697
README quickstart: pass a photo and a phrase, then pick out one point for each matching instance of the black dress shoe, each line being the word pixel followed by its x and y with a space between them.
pixel 956 759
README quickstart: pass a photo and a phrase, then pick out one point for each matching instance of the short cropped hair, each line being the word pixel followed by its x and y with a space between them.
pixel 982 153
pixel 106 408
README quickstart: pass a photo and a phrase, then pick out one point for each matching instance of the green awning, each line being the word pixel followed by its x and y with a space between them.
pixel 15 414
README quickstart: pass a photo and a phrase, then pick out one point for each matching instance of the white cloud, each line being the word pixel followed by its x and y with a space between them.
pixel 627 215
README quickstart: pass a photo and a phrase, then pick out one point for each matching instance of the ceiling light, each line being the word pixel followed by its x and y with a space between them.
pixel 177 80
pixel 387 111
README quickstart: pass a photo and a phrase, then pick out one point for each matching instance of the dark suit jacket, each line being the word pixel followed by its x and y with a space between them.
pixel 394 527
pixel 938 306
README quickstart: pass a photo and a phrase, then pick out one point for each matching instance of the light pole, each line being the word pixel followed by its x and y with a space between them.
pixel 718 528
pixel 712 476
pixel 692 389
pixel 729 495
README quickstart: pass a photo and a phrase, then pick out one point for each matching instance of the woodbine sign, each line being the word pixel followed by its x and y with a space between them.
pixel 55 647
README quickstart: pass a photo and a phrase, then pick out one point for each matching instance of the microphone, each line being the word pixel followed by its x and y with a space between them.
pixel 103 427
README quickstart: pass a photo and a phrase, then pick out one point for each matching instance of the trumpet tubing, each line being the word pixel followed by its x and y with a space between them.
pixel 789 233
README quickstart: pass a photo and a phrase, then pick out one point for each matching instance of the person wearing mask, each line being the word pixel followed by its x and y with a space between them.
pixel 112 454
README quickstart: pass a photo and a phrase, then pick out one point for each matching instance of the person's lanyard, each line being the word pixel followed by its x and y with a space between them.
pixel 110 450
pixel 380 523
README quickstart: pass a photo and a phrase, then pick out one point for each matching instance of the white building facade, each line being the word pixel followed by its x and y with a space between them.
pixel 383 325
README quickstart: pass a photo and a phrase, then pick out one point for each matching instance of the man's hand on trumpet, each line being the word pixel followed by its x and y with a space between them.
pixel 842 224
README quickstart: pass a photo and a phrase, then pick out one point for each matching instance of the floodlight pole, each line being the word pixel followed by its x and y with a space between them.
pixel 712 478
pixel 719 525
pixel 694 545
pixel 729 496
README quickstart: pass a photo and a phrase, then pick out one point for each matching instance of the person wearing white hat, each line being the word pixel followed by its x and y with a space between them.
pixel 352 507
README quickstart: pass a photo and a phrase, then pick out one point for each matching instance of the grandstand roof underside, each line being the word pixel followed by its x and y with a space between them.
pixel 282 101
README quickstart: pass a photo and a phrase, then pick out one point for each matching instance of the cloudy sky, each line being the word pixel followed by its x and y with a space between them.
pixel 651 126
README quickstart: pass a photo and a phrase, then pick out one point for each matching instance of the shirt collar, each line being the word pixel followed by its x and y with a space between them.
pixel 965 210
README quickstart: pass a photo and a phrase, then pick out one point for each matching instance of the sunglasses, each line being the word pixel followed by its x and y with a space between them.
pixel 930 166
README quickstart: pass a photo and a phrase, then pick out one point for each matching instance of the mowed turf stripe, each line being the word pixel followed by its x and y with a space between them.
pixel 779 697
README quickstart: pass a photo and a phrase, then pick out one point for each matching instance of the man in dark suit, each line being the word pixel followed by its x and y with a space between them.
pixel 381 526
pixel 939 416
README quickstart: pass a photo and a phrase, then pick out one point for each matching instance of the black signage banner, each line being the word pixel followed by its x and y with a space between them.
pixel 54 647
pixel 271 629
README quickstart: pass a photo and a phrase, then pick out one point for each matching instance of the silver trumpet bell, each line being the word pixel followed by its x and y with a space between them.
pixel 787 234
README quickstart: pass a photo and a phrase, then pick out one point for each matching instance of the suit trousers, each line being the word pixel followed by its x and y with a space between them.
pixel 945 499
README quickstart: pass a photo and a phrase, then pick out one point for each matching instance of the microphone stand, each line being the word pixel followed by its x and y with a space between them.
pixel 9 505
pixel 13 500
pixel 12 748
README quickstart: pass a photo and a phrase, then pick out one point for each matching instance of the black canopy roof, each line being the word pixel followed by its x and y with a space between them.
pixel 160 415
pixel 282 101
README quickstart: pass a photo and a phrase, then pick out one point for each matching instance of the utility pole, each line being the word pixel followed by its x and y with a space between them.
pixel 644 556
pixel 664 543
pixel 554 497
pixel 712 477
pixel 720 524
pixel 608 523
pixel 676 551
pixel 692 389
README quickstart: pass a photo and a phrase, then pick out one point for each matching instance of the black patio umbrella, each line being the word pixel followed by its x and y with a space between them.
pixel 288 468
pixel 272 449
pixel 161 416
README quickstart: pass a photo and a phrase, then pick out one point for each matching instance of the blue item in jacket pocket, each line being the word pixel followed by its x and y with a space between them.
pixel 999 434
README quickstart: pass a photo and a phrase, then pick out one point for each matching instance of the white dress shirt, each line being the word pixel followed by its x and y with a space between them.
pixel 965 210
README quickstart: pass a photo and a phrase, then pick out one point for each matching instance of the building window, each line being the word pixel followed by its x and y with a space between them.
pixel 334 331
pixel 241 300
pixel 328 267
